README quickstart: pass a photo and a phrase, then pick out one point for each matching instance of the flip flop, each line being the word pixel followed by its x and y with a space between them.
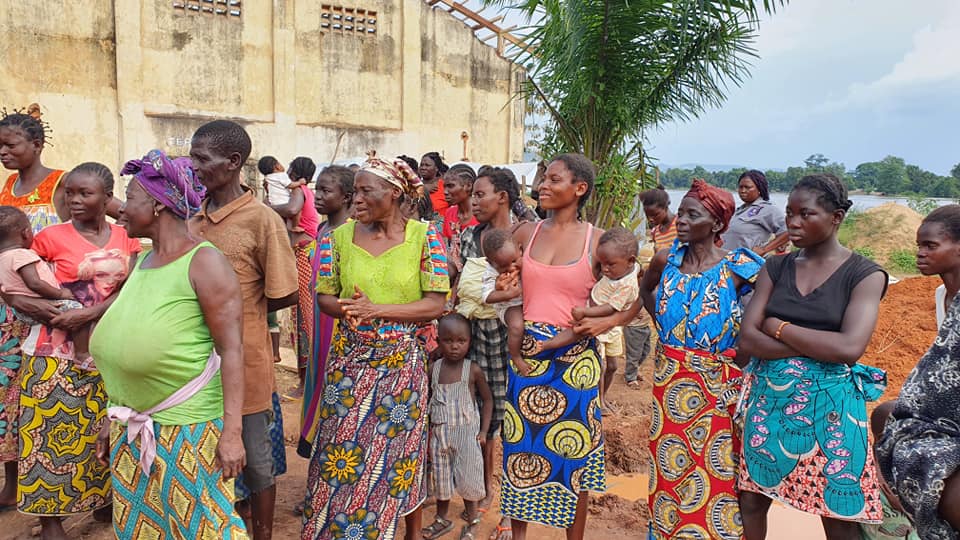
pixel 502 533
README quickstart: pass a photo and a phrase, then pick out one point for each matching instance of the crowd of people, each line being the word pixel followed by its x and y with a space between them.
pixel 437 317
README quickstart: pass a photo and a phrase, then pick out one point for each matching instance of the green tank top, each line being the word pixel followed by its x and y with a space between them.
pixel 153 340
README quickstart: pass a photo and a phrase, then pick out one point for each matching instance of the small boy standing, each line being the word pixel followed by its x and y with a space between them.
pixel 456 427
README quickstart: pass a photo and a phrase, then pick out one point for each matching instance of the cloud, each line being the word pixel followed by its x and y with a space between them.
pixel 932 64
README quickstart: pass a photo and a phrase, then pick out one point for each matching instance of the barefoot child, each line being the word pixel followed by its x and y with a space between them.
pixel 22 272
pixel 500 287
pixel 457 430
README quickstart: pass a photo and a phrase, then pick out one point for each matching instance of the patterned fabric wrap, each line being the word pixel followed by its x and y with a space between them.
pixel 805 436
pixel 62 409
pixel 693 446
pixel 313 380
pixel 306 297
pixel 552 434
pixel 171 182
pixel 369 455
pixel 323 326
pixel 691 435
pixel 12 331
pixel 920 447
pixel 278 450
pixel 397 172
pixel 185 496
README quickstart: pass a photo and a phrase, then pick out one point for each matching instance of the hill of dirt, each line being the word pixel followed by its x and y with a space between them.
pixel 881 230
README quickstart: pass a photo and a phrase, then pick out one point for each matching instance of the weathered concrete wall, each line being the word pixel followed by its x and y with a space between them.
pixel 111 94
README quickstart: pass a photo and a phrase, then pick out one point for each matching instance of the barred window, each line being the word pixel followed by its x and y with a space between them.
pixel 347 20
pixel 226 8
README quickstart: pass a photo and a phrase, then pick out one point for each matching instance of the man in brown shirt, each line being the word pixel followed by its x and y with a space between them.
pixel 254 240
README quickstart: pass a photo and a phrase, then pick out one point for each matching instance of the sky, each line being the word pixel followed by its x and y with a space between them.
pixel 854 80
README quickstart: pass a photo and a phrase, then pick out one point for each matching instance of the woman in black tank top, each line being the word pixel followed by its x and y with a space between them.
pixel 811 317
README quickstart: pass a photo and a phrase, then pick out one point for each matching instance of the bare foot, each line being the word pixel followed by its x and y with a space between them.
pixel 294 393
pixel 104 515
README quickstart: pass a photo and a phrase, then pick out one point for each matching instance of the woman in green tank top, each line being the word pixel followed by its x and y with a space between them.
pixel 169 350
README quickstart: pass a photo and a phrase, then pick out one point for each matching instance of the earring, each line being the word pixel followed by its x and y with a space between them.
pixel 155 213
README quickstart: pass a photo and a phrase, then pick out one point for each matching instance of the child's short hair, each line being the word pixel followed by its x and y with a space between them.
pixel 267 165
pixel 453 319
pixel 495 240
pixel 622 240
pixel 12 221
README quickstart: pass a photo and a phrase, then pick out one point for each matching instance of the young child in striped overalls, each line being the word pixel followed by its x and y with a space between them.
pixel 456 427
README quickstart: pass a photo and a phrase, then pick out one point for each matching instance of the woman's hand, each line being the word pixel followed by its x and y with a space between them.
pixel 37 308
pixel 231 457
pixel 103 444
pixel 593 326
pixel 74 319
pixel 358 309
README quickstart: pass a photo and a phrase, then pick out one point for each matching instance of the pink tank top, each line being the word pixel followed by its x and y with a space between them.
pixel 551 291
pixel 309 219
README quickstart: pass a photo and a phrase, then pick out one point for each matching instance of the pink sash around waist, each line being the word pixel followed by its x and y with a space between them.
pixel 140 423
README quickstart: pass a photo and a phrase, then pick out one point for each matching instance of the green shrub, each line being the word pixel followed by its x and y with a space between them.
pixel 865 251
pixel 921 205
pixel 845 233
pixel 904 260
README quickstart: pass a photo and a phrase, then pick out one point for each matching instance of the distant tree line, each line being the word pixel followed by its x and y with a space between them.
pixel 889 176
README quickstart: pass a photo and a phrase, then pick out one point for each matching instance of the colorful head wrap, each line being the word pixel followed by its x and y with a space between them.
pixel 397 173
pixel 171 182
pixel 718 202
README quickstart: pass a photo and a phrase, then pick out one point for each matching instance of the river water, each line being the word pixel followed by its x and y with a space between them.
pixel 860 202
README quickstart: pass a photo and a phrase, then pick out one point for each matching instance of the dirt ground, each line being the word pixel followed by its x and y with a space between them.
pixel 905 329
pixel 626 431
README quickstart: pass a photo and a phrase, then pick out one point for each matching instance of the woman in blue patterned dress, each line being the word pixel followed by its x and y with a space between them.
pixel 697 312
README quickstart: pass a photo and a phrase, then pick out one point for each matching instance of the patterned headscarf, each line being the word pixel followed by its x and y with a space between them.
pixel 172 182
pixel 397 172
pixel 718 202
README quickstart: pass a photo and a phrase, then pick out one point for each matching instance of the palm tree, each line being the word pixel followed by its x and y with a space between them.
pixel 608 70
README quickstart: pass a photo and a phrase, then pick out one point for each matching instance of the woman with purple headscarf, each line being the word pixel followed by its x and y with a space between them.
pixel 169 349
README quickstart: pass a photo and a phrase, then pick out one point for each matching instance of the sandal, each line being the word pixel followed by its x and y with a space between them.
pixel 438 528
pixel 465 517
pixel 633 384
pixel 467 532
pixel 502 533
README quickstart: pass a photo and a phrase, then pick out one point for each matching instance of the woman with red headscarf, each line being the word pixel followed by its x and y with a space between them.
pixel 693 291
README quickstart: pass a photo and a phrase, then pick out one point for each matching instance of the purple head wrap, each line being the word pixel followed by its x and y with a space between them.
pixel 172 182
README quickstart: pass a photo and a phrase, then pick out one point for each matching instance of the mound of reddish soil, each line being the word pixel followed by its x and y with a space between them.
pixel 906 327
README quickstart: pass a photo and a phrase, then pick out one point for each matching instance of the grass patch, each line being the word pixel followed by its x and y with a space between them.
pixel 903 260
pixel 865 251
pixel 846 231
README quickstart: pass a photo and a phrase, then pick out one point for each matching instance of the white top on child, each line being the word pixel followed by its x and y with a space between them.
pixel 488 284
pixel 278 188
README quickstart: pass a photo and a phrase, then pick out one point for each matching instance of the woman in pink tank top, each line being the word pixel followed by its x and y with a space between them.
pixel 553 450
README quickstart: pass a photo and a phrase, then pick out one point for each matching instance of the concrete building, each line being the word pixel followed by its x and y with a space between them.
pixel 115 78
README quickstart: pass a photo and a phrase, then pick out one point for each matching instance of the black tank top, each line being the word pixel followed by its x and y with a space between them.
pixel 824 307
